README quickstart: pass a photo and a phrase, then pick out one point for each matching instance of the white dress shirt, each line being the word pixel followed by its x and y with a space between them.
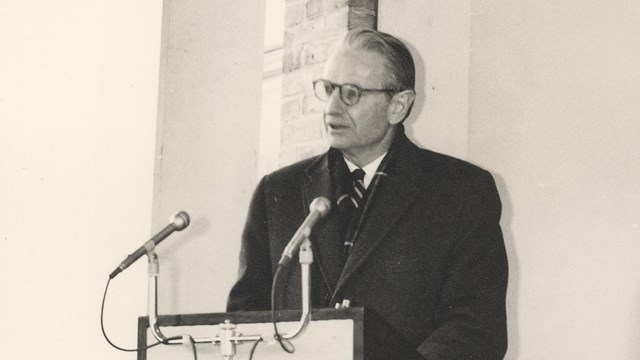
pixel 369 169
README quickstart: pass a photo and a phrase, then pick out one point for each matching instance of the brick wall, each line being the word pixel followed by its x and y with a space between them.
pixel 312 30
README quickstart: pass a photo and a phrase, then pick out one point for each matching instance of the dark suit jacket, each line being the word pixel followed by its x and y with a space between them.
pixel 429 258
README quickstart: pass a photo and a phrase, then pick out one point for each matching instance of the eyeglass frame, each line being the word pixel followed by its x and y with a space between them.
pixel 360 90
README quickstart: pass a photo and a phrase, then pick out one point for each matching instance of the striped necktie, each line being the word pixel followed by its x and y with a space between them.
pixel 357 194
pixel 351 202
pixel 351 205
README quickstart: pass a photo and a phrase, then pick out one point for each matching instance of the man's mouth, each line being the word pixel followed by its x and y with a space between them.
pixel 336 126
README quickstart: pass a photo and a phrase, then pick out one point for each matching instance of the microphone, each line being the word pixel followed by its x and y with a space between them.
pixel 179 222
pixel 319 208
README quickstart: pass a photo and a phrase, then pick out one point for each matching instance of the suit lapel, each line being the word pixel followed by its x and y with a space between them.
pixel 325 236
pixel 397 193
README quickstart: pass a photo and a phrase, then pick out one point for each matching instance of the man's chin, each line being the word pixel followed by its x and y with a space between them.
pixel 338 142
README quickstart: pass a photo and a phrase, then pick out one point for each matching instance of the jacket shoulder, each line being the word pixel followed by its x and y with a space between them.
pixel 457 177
pixel 295 173
pixel 437 164
pixel 451 165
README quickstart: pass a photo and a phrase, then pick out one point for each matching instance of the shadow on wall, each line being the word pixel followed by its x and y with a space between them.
pixel 513 290
pixel 179 260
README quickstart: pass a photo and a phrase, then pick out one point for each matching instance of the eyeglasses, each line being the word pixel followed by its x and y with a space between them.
pixel 349 93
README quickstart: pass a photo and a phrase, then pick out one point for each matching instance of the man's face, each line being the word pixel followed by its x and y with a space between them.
pixel 361 131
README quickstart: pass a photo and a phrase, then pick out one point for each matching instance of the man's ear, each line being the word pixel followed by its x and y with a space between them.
pixel 400 105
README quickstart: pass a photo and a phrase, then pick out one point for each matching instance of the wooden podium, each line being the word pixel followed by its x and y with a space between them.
pixel 336 334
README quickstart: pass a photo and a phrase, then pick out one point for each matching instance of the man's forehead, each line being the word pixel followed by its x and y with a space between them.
pixel 354 65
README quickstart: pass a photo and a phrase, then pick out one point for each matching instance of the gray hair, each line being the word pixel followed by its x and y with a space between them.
pixel 397 57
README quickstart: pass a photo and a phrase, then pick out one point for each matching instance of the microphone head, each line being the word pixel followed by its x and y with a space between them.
pixel 320 204
pixel 180 220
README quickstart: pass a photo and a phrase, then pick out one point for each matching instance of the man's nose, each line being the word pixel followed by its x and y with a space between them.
pixel 334 103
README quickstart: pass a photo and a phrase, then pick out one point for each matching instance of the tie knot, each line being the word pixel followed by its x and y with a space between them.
pixel 357 175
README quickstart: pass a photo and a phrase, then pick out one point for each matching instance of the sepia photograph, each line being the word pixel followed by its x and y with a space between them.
pixel 320 179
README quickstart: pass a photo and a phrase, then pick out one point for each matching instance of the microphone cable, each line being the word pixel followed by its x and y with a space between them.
pixel 253 348
pixel 291 349
pixel 192 342
pixel 116 346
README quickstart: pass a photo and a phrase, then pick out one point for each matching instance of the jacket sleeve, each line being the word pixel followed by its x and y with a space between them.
pixel 252 290
pixel 471 314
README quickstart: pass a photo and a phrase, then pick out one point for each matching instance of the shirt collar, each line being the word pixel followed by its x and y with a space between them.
pixel 369 169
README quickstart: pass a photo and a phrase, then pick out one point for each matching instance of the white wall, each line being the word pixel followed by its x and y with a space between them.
pixel 554 96
pixel 437 33
pixel 548 102
pixel 207 151
pixel 78 95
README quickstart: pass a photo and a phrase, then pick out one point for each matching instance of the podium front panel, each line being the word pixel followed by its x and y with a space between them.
pixel 331 334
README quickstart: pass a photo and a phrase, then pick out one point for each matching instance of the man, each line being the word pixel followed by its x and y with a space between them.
pixel 418 243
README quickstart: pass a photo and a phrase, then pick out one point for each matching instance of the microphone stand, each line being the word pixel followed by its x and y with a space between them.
pixel 228 339
pixel 306 259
